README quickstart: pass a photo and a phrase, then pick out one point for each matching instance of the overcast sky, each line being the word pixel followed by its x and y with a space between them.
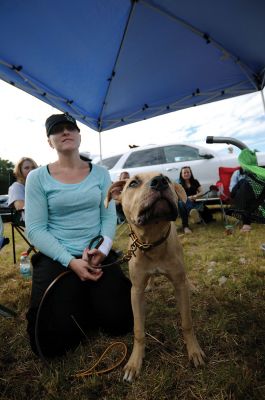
pixel 23 131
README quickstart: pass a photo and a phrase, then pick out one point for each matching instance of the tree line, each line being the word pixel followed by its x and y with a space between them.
pixel 6 175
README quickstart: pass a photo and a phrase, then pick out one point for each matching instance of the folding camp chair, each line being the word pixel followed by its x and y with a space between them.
pixel 19 226
pixel 223 183
pixel 222 188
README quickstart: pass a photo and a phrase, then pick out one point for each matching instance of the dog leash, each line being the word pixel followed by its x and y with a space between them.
pixel 92 370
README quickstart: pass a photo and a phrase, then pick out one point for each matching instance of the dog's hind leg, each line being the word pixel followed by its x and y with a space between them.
pixel 181 286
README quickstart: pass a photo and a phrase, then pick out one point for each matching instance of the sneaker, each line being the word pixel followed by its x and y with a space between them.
pixel 245 228
pixel 187 230
pixel 194 214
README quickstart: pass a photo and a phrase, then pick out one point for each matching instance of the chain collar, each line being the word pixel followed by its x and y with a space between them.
pixel 137 244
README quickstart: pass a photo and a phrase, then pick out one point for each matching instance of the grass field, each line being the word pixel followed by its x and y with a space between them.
pixel 229 320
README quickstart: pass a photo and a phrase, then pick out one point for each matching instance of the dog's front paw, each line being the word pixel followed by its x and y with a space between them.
pixel 196 355
pixel 132 369
pixel 131 372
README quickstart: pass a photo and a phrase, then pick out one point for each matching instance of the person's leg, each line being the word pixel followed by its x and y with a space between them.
pixel 110 299
pixel 57 331
pixel 184 214
pixel 194 212
pixel 246 220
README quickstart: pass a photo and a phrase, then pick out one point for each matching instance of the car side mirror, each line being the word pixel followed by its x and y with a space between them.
pixel 206 156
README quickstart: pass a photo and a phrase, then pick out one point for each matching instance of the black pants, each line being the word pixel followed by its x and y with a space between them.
pixel 71 304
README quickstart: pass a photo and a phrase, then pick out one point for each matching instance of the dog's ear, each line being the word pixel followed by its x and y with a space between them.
pixel 114 192
pixel 180 192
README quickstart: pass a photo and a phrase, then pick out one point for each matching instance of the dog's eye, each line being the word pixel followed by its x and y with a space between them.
pixel 133 184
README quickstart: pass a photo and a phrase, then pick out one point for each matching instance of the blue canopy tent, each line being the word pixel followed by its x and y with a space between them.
pixel 113 62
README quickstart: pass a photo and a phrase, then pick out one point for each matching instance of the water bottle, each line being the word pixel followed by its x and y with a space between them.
pixel 24 266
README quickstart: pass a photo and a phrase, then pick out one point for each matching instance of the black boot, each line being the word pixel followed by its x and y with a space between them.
pixel 5 241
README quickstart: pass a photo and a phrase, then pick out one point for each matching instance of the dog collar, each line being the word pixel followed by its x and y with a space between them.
pixel 137 244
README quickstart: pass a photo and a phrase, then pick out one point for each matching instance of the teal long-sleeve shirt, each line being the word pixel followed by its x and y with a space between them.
pixel 62 218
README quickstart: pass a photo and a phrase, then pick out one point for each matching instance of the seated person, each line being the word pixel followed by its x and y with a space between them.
pixel 194 191
pixel 3 240
pixel 124 176
pixel 235 182
pixel 120 215
pixel 16 192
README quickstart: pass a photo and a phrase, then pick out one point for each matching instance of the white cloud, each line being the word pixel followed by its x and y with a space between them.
pixel 23 132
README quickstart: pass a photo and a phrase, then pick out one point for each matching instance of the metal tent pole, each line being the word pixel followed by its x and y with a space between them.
pixel 100 147
pixel 263 100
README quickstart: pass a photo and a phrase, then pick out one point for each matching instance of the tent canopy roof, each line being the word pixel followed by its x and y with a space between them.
pixel 113 62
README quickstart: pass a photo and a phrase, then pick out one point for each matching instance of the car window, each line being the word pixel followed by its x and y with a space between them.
pixel 144 158
pixel 110 161
pixel 180 153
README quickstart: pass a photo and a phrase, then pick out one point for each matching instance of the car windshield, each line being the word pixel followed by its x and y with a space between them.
pixel 109 162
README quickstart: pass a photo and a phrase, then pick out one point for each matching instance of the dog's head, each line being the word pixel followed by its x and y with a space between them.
pixel 147 198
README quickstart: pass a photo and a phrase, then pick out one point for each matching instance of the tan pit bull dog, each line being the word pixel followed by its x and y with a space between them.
pixel 149 202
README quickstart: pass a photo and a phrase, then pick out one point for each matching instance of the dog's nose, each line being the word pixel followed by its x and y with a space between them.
pixel 159 183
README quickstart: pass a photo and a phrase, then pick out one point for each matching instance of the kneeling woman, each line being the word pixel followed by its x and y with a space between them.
pixel 64 212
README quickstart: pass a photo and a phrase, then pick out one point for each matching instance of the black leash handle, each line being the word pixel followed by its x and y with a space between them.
pixel 98 240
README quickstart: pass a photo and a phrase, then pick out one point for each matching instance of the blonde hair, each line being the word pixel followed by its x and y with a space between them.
pixel 18 169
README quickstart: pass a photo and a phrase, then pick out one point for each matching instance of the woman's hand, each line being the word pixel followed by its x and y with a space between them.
pixel 94 257
pixel 192 198
pixel 84 270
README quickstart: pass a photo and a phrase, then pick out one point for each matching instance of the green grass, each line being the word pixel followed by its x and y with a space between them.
pixel 229 321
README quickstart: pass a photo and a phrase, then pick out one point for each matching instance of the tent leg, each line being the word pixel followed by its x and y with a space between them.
pixel 263 100
pixel 100 147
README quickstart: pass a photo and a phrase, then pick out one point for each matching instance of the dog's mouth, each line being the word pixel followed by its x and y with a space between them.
pixel 160 209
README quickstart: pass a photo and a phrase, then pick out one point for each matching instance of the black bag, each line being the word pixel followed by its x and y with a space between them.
pixel 206 214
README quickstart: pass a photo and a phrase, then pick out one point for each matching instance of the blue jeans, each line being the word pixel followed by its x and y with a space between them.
pixel 184 210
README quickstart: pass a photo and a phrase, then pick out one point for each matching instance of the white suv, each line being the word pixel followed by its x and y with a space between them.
pixel 170 158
